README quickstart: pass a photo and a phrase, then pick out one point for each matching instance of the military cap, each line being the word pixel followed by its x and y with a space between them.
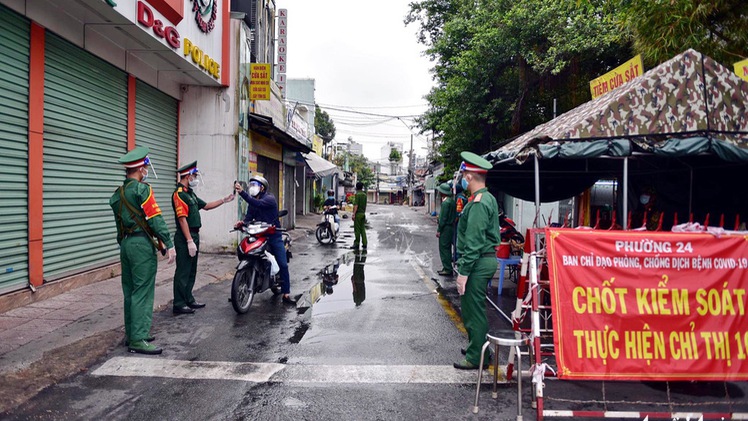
pixel 188 169
pixel 135 158
pixel 474 163
pixel 445 189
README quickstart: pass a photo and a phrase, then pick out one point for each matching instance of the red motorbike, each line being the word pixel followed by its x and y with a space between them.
pixel 257 270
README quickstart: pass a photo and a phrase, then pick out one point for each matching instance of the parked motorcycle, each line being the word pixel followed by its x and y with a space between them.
pixel 508 230
pixel 327 229
pixel 257 270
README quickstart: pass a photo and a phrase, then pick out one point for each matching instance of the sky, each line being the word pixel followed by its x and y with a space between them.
pixel 364 59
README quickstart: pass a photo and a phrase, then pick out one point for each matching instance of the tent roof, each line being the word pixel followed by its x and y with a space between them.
pixel 688 96
pixel 320 166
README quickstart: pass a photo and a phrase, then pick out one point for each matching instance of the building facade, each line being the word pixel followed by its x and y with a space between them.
pixel 84 82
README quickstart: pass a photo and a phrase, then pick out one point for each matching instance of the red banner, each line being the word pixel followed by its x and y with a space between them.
pixel 648 306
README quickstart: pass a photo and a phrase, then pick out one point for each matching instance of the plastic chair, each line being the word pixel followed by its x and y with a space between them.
pixel 502 338
pixel 503 264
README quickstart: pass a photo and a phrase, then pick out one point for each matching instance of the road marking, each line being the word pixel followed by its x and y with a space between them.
pixel 451 312
pixel 289 373
pixel 176 369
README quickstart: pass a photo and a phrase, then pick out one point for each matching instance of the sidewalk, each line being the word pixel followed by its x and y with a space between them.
pixel 48 340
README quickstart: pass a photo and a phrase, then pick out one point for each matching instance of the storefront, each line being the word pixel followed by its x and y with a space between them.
pixel 82 83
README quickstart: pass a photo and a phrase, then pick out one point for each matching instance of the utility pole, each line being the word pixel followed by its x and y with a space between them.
pixel 410 172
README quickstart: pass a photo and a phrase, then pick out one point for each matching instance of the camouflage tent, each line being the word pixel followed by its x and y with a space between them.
pixel 680 129
pixel 688 105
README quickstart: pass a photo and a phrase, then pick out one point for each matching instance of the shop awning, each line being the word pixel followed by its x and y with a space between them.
pixel 264 125
pixel 320 166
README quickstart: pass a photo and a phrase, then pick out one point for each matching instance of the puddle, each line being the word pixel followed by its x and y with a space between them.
pixel 343 285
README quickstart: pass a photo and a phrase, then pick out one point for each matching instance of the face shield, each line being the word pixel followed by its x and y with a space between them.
pixel 196 178
pixel 147 162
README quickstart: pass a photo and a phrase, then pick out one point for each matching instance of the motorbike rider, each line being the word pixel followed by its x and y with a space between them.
pixel 263 207
pixel 329 202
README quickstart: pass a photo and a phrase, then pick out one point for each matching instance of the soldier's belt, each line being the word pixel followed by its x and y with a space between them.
pixel 489 254
pixel 136 234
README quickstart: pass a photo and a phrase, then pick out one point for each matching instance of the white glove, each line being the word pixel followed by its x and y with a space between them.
pixel 228 198
pixel 172 255
pixel 461 282
pixel 191 248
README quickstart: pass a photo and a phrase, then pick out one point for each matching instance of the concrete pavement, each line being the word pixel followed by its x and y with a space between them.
pixel 48 340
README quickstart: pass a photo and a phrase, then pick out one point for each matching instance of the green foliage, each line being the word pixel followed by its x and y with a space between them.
pixel 395 155
pixel 358 165
pixel 499 64
pixel 323 124
pixel 318 201
pixel 662 29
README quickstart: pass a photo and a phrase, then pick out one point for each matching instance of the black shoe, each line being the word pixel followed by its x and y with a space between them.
pixel 489 359
pixel 363 247
pixel 354 247
pixel 195 304
pixel 148 339
pixel 288 300
pixel 467 365
pixel 182 310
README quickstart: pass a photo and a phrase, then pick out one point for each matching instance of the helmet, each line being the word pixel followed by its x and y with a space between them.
pixel 260 179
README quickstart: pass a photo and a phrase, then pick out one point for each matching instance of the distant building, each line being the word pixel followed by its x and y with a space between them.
pixel 389 146
pixel 356 148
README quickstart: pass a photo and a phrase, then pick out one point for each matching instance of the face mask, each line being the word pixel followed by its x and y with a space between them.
pixel 254 191
pixel 644 199
pixel 464 183
pixel 194 183
pixel 145 176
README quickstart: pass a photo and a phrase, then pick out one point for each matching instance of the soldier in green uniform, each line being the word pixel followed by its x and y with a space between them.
pixel 359 217
pixel 358 279
pixel 187 207
pixel 141 230
pixel 477 238
pixel 445 230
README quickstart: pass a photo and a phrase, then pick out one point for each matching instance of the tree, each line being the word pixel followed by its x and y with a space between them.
pixel 717 28
pixel 323 125
pixel 359 165
pixel 499 64
pixel 395 155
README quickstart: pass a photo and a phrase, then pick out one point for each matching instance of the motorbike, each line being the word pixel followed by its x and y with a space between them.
pixel 327 229
pixel 257 270
pixel 508 230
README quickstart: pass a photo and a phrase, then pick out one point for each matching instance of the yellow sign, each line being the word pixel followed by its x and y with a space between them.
pixel 620 75
pixel 741 69
pixel 259 81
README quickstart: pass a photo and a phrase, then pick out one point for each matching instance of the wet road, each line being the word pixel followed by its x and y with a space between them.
pixel 372 341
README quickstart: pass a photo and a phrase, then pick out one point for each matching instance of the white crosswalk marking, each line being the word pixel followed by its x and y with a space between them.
pixel 289 373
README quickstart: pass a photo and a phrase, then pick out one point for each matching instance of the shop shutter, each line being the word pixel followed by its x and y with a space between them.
pixel 85 133
pixel 14 92
pixel 156 128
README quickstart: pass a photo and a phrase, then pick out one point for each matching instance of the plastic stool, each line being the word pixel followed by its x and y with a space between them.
pixel 503 338
pixel 503 264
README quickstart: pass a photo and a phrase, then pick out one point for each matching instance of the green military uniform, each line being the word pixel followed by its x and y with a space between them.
pixel 137 250
pixel 477 237
pixel 359 220
pixel 446 228
pixel 187 205
pixel 358 279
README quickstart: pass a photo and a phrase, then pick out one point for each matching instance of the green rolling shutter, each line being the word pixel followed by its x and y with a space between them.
pixel 156 128
pixel 85 133
pixel 14 92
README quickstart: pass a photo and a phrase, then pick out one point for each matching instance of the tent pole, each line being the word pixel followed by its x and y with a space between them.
pixel 537 190
pixel 625 216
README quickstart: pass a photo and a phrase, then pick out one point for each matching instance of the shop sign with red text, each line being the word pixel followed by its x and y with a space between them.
pixel 648 306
